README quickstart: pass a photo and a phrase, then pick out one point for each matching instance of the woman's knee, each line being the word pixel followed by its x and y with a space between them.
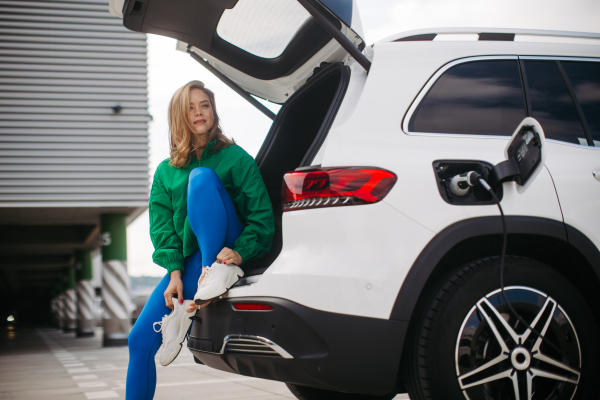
pixel 202 176
pixel 201 179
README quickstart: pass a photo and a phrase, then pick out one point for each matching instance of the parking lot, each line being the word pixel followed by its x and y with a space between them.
pixel 51 365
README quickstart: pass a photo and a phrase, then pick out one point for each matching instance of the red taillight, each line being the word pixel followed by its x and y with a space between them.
pixel 252 307
pixel 332 187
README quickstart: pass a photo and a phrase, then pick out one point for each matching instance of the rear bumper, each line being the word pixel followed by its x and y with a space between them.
pixel 296 344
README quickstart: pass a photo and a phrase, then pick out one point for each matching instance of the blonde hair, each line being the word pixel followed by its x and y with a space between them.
pixel 181 130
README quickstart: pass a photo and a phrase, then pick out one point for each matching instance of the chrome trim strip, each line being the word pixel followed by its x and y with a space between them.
pixel 258 340
pixel 432 81
pixel 559 58
pixel 262 346
pixel 254 351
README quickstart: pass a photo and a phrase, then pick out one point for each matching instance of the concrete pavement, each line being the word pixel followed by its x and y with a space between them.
pixel 51 365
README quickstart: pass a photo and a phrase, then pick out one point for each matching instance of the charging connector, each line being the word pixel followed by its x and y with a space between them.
pixel 460 184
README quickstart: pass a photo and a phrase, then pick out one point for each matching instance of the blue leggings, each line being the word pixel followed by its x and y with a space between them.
pixel 213 219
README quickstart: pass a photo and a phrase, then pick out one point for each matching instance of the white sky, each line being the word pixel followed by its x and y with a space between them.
pixel 170 69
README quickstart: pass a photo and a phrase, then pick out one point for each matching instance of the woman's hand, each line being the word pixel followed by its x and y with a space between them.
pixel 193 306
pixel 228 256
pixel 175 287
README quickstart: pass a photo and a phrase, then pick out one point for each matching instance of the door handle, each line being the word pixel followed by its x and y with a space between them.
pixel 596 175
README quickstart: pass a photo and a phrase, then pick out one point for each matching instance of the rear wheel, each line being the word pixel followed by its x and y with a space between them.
pixel 308 393
pixel 467 344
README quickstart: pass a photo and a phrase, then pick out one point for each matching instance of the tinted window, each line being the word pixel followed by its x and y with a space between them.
pixel 585 79
pixel 263 28
pixel 477 98
pixel 551 103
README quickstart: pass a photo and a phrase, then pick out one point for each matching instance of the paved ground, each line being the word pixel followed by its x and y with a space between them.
pixel 51 365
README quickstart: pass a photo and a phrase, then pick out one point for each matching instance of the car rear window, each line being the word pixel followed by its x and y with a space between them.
pixel 585 79
pixel 262 27
pixel 551 103
pixel 474 98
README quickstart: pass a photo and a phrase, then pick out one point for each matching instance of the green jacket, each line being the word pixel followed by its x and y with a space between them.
pixel 170 231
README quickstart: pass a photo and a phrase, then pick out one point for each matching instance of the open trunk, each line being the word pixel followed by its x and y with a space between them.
pixel 294 139
pixel 290 52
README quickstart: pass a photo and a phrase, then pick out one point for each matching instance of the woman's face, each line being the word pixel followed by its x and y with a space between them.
pixel 201 112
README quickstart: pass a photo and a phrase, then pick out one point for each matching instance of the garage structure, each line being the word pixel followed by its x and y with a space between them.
pixel 73 158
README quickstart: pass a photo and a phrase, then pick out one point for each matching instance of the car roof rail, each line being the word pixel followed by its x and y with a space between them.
pixel 505 34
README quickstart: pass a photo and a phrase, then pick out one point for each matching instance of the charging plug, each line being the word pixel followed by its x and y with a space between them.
pixel 460 184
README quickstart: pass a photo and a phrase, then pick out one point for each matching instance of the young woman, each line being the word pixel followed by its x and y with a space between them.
pixel 209 213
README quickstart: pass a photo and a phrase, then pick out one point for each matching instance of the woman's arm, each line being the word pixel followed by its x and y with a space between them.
pixel 252 200
pixel 167 244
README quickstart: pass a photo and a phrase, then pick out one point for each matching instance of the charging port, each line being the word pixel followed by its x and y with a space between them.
pixel 445 170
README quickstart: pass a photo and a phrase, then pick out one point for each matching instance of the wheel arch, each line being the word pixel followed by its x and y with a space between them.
pixel 549 241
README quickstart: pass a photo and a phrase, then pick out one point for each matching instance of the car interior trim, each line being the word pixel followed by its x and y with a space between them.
pixel 234 86
pixel 195 23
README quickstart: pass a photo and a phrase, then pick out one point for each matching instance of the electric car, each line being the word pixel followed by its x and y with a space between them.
pixel 392 269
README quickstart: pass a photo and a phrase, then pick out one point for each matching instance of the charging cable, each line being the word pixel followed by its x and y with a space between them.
pixel 473 179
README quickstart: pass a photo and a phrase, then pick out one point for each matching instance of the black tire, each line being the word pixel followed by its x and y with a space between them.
pixel 309 393
pixel 452 342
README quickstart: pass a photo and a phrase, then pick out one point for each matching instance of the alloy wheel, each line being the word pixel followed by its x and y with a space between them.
pixel 497 357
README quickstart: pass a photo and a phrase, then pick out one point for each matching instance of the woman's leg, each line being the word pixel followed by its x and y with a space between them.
pixel 216 225
pixel 211 214
pixel 143 345
pixel 144 342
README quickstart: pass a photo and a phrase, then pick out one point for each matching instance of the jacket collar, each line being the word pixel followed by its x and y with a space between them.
pixel 210 145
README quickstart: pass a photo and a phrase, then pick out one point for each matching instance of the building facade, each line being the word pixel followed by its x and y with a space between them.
pixel 73 140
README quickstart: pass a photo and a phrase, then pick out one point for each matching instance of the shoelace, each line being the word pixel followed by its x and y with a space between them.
pixel 163 324
pixel 208 275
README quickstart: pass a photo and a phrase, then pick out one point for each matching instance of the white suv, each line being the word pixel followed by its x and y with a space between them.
pixel 384 276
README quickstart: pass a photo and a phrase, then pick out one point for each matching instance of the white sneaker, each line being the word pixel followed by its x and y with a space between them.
pixel 174 328
pixel 217 280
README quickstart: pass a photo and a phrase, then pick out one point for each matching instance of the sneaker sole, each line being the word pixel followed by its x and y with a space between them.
pixel 232 281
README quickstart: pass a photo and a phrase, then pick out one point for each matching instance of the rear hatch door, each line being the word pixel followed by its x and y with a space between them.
pixel 268 47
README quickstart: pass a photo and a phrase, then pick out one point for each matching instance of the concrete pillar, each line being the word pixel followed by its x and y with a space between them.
pixel 116 298
pixel 85 295
pixel 54 309
pixel 70 302
pixel 60 305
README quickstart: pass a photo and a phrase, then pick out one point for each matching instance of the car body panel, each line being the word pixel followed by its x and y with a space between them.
pixel 411 156
pixel 327 261
pixel 368 132
pixel 358 140
pixel 578 191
